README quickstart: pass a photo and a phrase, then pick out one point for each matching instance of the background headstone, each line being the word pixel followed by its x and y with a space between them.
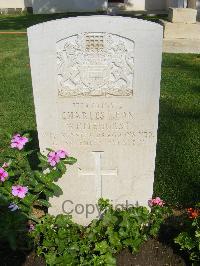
pixel 182 15
pixel 61 6
pixel 96 84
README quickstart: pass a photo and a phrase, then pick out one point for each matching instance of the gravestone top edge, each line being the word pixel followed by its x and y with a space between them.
pixel 149 24
pixel 183 9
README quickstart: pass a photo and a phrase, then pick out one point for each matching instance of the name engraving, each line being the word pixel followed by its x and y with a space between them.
pixel 97 124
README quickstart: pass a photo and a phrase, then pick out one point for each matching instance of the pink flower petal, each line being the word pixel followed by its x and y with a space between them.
pixel 53 163
pixel 18 142
pixel 61 154
pixel 3 175
pixel 19 191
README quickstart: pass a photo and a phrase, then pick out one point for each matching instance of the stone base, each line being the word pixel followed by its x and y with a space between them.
pixel 115 8
pixel 181 46
pixel 15 10
pixel 181 30
pixel 10 10
pixel 182 15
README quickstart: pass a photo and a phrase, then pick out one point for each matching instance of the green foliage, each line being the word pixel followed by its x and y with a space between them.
pixel 40 184
pixel 189 240
pixel 177 170
pixel 14 229
pixel 63 242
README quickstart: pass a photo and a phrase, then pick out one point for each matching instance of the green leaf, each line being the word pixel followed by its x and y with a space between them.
pixel 54 175
pixel 40 177
pixel 110 260
pixel 43 203
pixel 29 152
pixel 115 240
pixel 63 220
pixel 33 218
pixel 8 185
pixel 68 259
pixel 61 166
pixel 39 188
pixel 55 188
pixel 70 160
pixel 11 173
pixel 33 182
pixel 48 193
pixel 5 191
pixel 29 199
pixel 41 157
pixel 102 247
pixel 51 259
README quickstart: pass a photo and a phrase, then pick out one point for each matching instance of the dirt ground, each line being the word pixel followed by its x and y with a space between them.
pixel 152 253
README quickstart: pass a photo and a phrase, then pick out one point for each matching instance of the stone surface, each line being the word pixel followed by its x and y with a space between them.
pixel 192 4
pixel 182 15
pixel 174 3
pixel 181 30
pixel 55 6
pixel 143 5
pixel 22 4
pixel 96 84
pixel 181 46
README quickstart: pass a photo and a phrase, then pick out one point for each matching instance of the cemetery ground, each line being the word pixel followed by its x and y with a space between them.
pixel 22 22
pixel 178 151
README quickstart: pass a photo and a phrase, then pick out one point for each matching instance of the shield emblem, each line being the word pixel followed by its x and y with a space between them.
pixel 94 76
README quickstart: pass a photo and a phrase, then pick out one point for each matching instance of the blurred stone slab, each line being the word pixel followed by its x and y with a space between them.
pixel 181 30
pixel 182 15
pixel 181 46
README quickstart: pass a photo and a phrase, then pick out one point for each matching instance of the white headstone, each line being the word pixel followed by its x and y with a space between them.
pixel 96 84
pixel 61 6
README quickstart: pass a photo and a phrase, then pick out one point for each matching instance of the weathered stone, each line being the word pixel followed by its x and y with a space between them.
pixel 96 84
pixel 181 46
pixel 181 30
pixel 55 6
pixel 182 15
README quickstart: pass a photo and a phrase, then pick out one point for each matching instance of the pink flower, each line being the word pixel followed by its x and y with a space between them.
pixel 18 142
pixel 62 154
pixel 55 156
pixel 3 175
pixel 31 228
pixel 19 191
pixel 156 202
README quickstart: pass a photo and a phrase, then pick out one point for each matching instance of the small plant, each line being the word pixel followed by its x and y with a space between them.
pixel 189 240
pixel 63 242
pixel 21 188
pixel 59 239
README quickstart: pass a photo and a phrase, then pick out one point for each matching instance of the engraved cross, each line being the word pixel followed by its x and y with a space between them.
pixel 98 173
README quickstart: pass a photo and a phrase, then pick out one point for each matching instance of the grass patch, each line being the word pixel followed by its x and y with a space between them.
pixel 177 176
pixel 21 22
pixel 16 101
pixel 178 151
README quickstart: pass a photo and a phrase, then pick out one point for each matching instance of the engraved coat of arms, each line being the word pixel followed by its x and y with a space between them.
pixel 95 64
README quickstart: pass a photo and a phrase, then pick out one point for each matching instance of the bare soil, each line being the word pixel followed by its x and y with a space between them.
pixel 152 253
